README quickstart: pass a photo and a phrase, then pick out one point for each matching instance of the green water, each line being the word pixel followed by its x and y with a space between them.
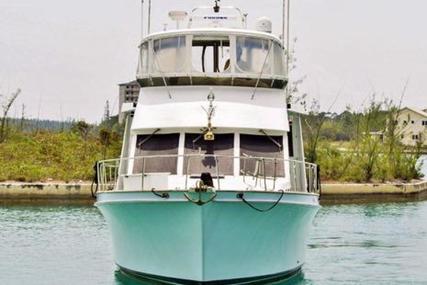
pixel 349 244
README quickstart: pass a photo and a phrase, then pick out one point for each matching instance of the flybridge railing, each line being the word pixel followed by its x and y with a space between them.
pixel 261 173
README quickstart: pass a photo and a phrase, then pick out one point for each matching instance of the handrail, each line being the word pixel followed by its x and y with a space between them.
pixel 212 75
pixel 109 176
pixel 206 155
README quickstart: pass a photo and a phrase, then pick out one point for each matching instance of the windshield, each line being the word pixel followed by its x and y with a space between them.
pixel 211 54
pixel 235 60
pixel 169 55
pixel 253 55
pixel 143 66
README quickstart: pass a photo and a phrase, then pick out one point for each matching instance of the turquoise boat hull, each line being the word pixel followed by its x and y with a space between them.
pixel 225 241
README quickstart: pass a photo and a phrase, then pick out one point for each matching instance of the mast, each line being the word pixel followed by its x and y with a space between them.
pixel 142 20
pixel 286 39
pixel 288 29
pixel 283 22
pixel 149 17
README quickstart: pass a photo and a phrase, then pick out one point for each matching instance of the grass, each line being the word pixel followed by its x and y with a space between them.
pixel 46 155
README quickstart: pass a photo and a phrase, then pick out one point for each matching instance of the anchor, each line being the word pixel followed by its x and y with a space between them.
pixel 205 185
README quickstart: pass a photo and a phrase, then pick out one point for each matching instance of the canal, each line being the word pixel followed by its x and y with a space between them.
pixel 350 244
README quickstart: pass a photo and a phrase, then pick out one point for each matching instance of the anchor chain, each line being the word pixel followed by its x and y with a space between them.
pixel 161 195
pixel 242 197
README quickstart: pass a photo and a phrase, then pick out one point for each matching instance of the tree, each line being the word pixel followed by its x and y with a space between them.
pixel 22 117
pixel 6 105
pixel 314 122
pixel 82 128
pixel 105 139
pixel 293 95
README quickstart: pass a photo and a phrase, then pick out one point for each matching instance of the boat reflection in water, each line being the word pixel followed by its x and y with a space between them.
pixel 212 186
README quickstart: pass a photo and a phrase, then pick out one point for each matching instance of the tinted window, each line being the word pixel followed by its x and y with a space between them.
pixel 155 145
pixel 253 146
pixel 222 147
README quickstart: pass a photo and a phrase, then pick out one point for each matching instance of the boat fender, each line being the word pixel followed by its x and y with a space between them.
pixel 241 196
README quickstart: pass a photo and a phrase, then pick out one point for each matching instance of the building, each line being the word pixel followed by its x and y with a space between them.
pixel 128 94
pixel 413 126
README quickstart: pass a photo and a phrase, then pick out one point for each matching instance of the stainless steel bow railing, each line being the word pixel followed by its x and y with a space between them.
pixel 262 172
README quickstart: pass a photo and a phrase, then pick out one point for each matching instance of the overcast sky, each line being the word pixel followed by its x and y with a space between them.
pixel 69 56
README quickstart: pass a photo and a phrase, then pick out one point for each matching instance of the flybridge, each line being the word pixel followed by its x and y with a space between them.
pixel 215 49
pixel 211 57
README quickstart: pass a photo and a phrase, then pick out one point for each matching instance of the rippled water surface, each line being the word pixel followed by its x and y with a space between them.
pixel 349 244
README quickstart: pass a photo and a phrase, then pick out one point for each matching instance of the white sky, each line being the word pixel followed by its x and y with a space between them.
pixel 69 56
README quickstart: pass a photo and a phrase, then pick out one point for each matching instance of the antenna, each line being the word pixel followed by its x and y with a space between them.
pixel 142 20
pixel 216 7
pixel 149 17
pixel 284 23
pixel 178 17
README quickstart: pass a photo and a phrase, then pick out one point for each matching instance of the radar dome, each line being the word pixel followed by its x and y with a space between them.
pixel 264 24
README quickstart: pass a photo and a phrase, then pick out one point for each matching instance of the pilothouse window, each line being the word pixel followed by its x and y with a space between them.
pixel 143 67
pixel 156 145
pixel 253 147
pixel 253 55
pixel 211 55
pixel 221 147
pixel 212 59
pixel 169 55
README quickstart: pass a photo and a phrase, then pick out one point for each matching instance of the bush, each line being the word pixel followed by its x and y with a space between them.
pixel 366 163
pixel 373 153
pixel 47 155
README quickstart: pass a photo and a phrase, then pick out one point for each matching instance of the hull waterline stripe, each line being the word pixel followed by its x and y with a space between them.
pixel 174 199
pixel 249 280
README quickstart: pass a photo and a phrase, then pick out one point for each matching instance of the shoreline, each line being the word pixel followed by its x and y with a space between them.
pixel 80 193
pixel 16 193
pixel 373 193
